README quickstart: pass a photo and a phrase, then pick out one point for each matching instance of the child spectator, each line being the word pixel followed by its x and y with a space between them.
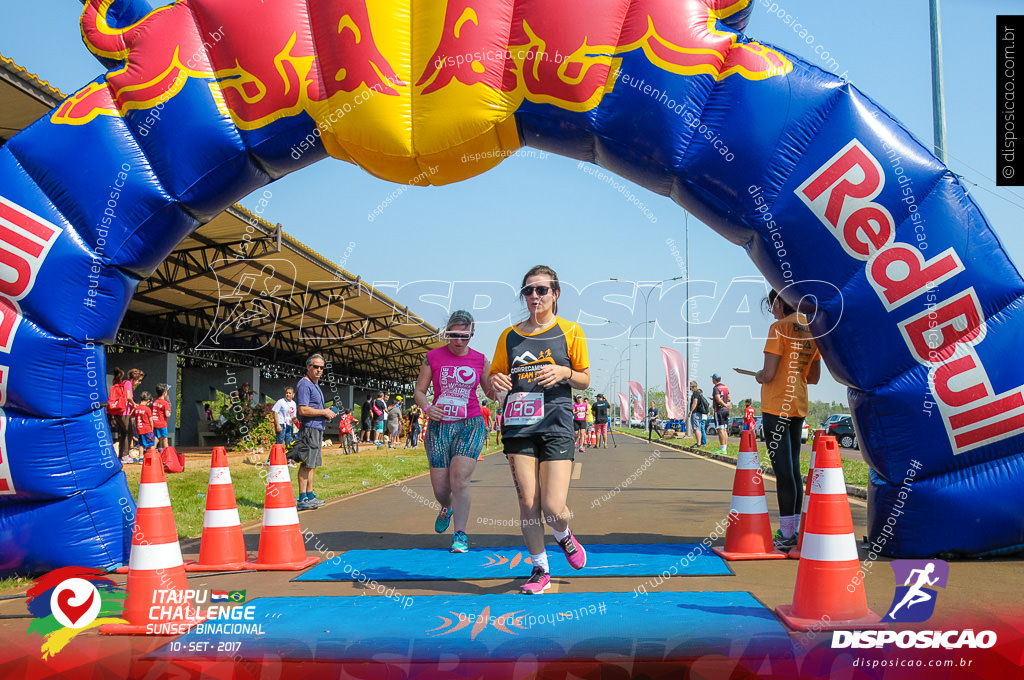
pixel 161 413
pixel 748 416
pixel 142 417
pixel 285 415
pixel 345 428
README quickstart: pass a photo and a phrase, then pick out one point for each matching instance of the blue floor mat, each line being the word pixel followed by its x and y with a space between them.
pixel 652 559
pixel 494 628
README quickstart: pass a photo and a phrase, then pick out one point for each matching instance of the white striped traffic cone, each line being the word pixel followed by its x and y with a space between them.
pixel 222 547
pixel 156 602
pixel 281 544
pixel 829 591
pixel 749 535
pixel 794 554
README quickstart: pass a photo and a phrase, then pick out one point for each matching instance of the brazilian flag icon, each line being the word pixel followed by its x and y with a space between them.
pixel 237 596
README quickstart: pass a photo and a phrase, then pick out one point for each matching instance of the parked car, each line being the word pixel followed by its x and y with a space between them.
pixel 805 433
pixel 710 428
pixel 735 427
pixel 834 418
pixel 842 430
pixel 637 422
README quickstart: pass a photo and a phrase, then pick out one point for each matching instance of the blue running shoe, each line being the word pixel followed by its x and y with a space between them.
pixel 444 518
pixel 460 542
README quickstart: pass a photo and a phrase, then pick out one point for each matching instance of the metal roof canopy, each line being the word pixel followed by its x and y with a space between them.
pixel 240 291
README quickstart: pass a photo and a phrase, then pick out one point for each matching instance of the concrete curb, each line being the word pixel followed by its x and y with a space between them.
pixel 851 490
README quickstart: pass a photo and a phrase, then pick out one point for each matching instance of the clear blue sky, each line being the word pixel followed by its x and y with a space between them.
pixel 590 232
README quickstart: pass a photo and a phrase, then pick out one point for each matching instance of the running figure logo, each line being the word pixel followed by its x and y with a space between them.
pixel 914 601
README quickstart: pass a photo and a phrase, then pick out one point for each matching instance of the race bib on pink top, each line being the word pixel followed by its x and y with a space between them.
pixel 455 380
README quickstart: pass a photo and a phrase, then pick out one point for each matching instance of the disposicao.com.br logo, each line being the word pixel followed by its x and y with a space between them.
pixel 914 602
pixel 70 600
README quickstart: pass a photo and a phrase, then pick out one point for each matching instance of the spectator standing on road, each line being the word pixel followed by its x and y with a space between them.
pixel 722 404
pixel 579 421
pixel 485 411
pixel 313 418
pixel 791 362
pixel 285 412
pixel 456 433
pixel 698 411
pixel 600 411
pixel 590 420
pixel 497 422
pixel 161 413
pixel 652 421
pixel 539 362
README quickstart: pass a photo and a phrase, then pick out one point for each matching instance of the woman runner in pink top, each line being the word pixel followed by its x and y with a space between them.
pixel 456 432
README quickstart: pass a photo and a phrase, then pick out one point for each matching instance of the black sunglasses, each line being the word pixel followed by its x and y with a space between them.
pixel 458 336
pixel 316 368
pixel 541 290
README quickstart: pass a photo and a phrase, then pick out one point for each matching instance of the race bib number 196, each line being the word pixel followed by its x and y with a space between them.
pixel 524 408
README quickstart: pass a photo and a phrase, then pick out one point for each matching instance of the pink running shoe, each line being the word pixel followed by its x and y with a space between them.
pixel 538 582
pixel 574 552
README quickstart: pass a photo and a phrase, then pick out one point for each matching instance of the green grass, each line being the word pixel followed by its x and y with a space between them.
pixel 339 476
pixel 13 583
pixel 855 472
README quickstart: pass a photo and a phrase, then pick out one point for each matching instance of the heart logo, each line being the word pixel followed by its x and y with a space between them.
pixel 74 613
pixel 465 375
pixel 64 598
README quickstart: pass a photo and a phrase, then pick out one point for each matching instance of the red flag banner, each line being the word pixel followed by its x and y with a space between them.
pixel 675 384
pixel 636 391
pixel 623 408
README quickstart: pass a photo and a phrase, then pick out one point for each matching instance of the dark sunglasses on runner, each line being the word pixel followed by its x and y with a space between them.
pixel 541 290
pixel 458 336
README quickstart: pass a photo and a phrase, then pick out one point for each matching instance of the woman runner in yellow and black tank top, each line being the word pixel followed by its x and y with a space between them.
pixel 539 362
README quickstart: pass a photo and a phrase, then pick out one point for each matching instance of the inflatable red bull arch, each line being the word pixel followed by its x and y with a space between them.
pixel 919 307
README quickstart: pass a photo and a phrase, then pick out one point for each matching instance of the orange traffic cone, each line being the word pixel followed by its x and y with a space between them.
pixel 749 536
pixel 829 592
pixel 816 443
pixel 593 438
pixel 281 544
pixel 222 547
pixel 156 602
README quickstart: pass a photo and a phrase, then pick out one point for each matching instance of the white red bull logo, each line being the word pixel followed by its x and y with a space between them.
pixel 842 194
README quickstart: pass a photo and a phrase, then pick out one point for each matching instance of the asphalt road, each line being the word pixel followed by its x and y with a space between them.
pixel 674 496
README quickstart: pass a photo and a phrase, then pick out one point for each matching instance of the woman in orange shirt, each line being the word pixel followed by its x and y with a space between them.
pixel 791 362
